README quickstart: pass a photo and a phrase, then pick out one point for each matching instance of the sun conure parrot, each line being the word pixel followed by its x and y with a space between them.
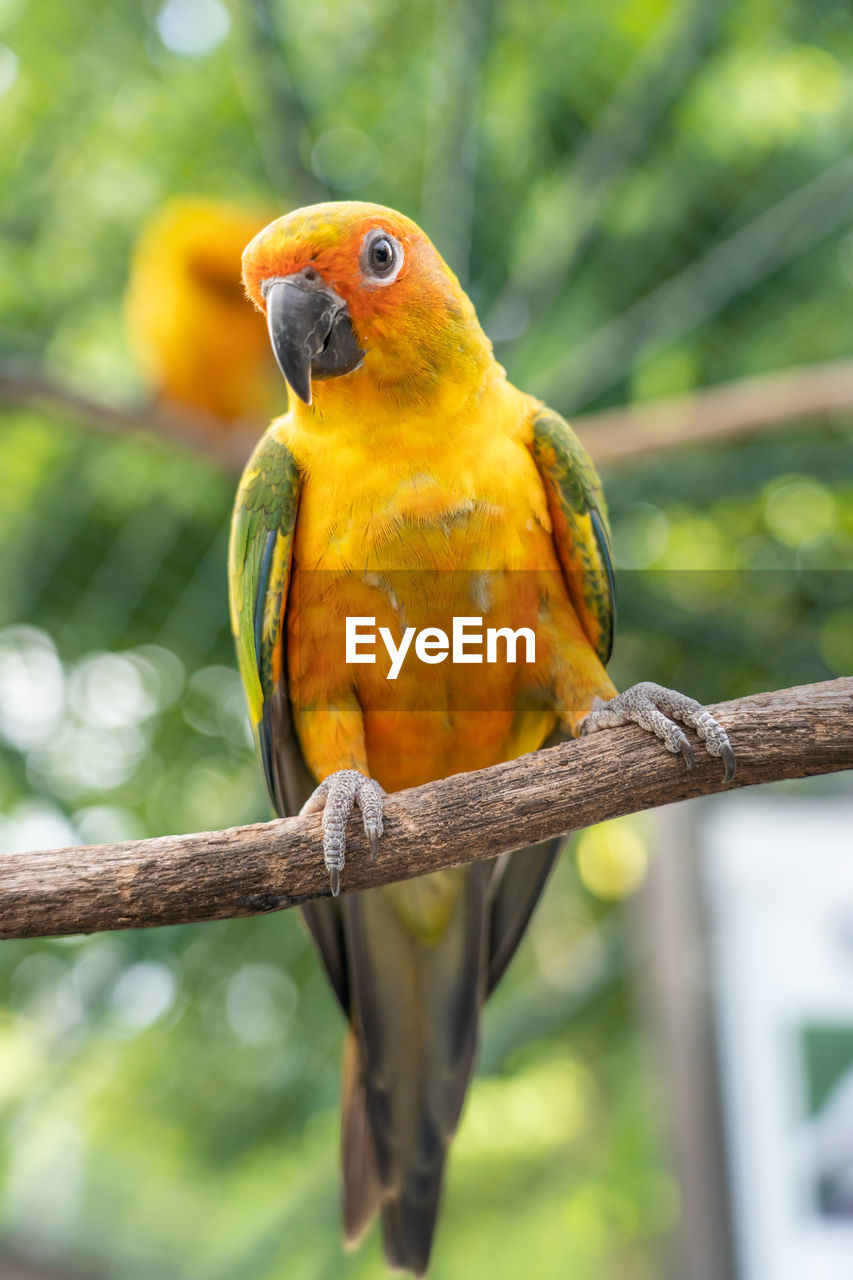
pixel 185 275
pixel 410 482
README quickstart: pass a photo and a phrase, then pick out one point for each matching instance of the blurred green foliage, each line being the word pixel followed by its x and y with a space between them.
pixel 643 197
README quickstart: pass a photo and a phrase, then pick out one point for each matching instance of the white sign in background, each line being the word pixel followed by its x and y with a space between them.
pixel 779 882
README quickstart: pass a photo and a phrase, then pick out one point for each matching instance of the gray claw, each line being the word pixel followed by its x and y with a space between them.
pixel 337 795
pixel 656 709
pixel 687 752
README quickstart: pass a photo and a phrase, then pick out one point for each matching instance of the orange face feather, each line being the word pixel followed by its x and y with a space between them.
pixel 418 331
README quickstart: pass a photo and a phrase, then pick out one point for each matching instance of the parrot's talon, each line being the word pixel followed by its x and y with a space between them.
pixel 337 796
pixel 655 709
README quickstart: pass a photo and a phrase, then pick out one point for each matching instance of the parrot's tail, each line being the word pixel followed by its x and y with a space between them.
pixel 417 979
pixel 408 1212
pixel 422 956
pixel 408 1223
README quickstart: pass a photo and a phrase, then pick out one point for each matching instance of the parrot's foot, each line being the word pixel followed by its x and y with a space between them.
pixel 655 708
pixel 336 796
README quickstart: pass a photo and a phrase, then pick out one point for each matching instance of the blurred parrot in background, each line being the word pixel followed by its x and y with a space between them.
pixel 410 482
pixel 185 276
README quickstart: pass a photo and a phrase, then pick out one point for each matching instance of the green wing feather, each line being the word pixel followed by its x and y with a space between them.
pixel 579 519
pixel 260 552
pixel 260 555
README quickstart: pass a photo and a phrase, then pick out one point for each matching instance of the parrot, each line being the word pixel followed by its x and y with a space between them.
pixel 411 483
pixel 185 270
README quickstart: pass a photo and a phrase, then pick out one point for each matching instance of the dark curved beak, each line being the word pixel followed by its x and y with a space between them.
pixel 310 330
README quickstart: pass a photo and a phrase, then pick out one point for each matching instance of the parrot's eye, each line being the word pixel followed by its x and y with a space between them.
pixel 381 257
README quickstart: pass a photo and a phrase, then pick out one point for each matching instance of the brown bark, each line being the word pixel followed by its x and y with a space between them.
pixel 726 412
pixel 228 443
pixel 789 733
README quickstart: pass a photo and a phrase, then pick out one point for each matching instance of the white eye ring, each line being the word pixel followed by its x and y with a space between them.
pixel 381 257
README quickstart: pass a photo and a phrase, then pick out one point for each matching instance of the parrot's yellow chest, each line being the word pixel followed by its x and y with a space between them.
pixel 409 542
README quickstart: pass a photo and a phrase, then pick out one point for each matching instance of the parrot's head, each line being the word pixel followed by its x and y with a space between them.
pixel 357 292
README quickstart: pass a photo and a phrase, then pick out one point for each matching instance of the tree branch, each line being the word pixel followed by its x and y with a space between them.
pixel 729 411
pixel 790 733
pixel 226 442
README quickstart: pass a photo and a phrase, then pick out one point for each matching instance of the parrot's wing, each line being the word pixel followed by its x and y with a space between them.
pixel 259 556
pixel 259 560
pixel 515 887
pixel 579 522
pixel 582 541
